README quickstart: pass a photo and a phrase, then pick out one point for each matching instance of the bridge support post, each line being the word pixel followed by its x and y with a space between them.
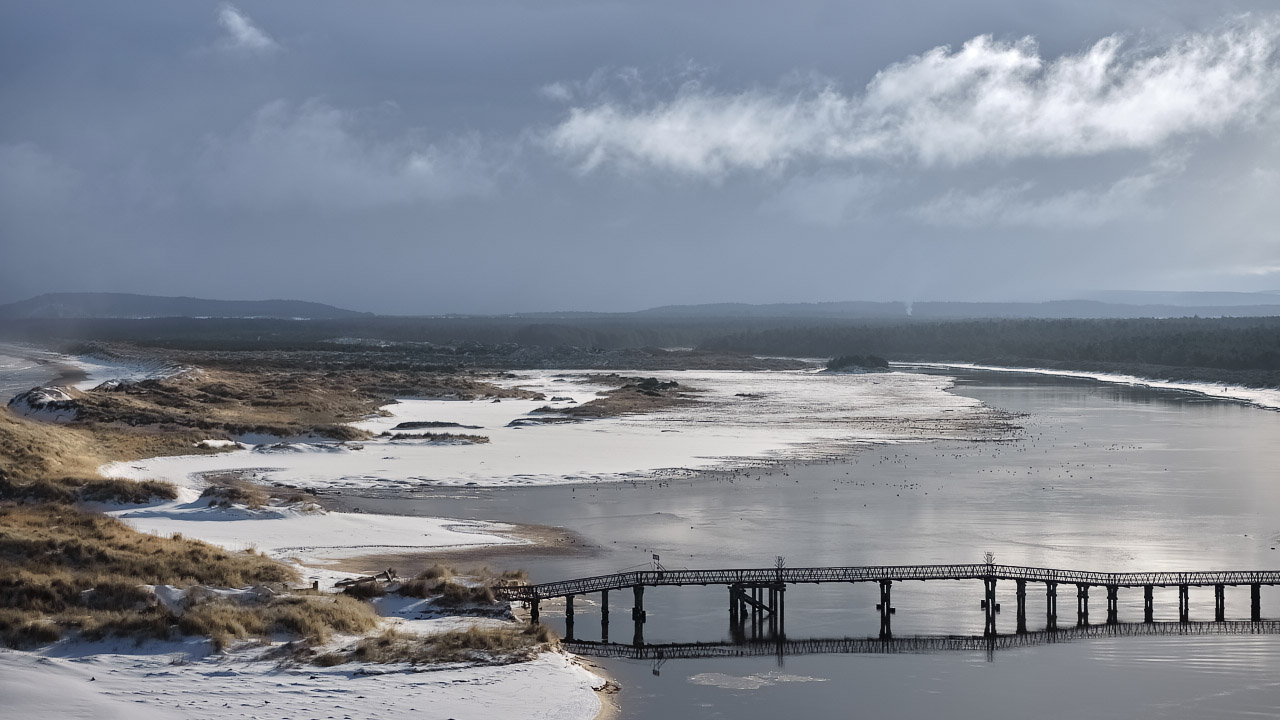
pixel 755 612
pixel 1022 606
pixel 1082 604
pixel 604 616
pixel 568 617
pixel 773 609
pixel 781 610
pixel 1184 605
pixel 1113 604
pixel 638 614
pixel 1051 606
pixel 1219 603
pixel 990 606
pixel 1255 602
pixel 533 611
pixel 733 606
pixel 885 606
pixel 1148 604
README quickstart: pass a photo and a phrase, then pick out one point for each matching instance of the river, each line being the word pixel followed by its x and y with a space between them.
pixel 1102 477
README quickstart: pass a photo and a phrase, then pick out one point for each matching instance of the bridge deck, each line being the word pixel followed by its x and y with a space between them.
pixel 875 573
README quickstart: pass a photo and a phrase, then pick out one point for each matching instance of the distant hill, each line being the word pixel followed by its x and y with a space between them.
pixel 1185 299
pixel 126 305
pixel 1200 304
pixel 850 309
pixel 1062 309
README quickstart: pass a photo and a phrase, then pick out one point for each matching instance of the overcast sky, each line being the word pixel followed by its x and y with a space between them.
pixel 476 156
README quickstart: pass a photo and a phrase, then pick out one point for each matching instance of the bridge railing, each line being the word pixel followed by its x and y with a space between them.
pixel 875 573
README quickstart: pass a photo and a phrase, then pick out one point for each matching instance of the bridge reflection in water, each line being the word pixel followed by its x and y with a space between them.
pixel 782 647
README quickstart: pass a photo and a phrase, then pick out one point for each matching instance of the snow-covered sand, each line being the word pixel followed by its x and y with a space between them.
pixel 310 537
pixel 99 370
pixel 1260 397
pixel 180 680
pixel 743 418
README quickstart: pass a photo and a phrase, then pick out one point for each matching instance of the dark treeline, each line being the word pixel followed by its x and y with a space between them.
pixel 1242 350
pixel 601 331
pixel 1250 346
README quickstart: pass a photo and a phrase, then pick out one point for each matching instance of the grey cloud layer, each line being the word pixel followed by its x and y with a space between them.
pixel 492 155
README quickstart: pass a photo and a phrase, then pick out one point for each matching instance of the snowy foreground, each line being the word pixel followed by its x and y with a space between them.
pixel 178 680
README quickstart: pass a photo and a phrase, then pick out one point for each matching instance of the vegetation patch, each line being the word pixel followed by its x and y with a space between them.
pixel 500 645
pixel 313 616
pixel 866 363
pixel 62 568
pixel 450 438
pixel 78 489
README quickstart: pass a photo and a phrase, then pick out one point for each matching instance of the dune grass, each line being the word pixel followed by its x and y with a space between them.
pixel 79 489
pixel 489 645
pixel 62 568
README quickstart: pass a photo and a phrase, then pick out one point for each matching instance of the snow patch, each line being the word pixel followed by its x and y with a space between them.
pixel 51 404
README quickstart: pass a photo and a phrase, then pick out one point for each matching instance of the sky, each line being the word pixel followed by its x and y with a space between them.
pixel 484 156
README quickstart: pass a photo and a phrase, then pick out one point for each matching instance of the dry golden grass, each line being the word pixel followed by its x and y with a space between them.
pixel 63 568
pixel 315 617
pixel 484 645
pixel 34 449
pixel 226 492
pixel 76 489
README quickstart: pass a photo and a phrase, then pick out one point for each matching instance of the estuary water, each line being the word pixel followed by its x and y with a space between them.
pixel 1102 477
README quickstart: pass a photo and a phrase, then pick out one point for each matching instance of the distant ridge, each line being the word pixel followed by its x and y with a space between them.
pixel 848 309
pixel 130 306
pixel 1208 305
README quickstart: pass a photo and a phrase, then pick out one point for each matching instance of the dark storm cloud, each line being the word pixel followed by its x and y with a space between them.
pixel 500 156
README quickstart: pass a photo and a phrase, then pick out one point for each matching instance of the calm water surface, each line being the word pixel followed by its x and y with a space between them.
pixel 1102 477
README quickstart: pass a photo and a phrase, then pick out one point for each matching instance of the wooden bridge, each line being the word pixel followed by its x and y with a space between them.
pixel 757 596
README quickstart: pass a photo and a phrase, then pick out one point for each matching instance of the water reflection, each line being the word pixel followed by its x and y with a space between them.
pixel 780 646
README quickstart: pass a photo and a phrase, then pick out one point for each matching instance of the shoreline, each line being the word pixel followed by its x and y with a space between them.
pixel 1262 398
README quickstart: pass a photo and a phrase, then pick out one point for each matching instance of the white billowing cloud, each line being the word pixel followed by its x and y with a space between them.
pixel 1015 205
pixel 989 100
pixel 241 34
pixel 315 154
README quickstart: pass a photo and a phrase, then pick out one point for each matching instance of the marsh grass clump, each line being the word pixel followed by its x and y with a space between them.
pixel 489 645
pixel 455 438
pixel 314 617
pixel 79 489
pixel 427 583
pixel 365 590
pixel 62 568
pixel 438 582
pixel 454 594
pixel 227 492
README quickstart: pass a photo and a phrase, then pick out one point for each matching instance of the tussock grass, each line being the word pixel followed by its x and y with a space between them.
pixel 31 449
pixel 442 437
pixel 62 568
pixel 490 645
pixel 78 489
pixel 438 582
pixel 228 492
pixel 453 594
pixel 365 590
pixel 315 617
pixel 427 583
